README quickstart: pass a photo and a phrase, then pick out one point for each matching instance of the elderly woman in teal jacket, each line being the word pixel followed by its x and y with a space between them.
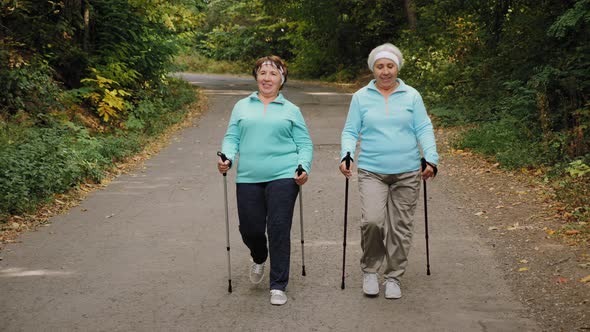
pixel 390 120
pixel 269 135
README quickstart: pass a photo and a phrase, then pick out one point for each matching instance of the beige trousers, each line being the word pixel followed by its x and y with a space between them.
pixel 388 203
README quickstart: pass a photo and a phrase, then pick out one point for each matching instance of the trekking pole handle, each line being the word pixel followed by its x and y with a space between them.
pixel 223 158
pixel 300 170
pixel 425 163
pixel 347 160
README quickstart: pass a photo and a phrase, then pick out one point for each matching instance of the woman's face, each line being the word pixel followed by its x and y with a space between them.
pixel 269 80
pixel 385 72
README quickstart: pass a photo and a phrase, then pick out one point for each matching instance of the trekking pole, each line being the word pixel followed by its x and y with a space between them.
pixel 423 161
pixel 347 160
pixel 299 172
pixel 224 158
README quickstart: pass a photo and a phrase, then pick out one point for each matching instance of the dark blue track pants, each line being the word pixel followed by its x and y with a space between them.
pixel 268 207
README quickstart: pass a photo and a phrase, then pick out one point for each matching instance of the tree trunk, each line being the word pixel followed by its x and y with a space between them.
pixel 411 14
pixel 500 10
pixel 86 14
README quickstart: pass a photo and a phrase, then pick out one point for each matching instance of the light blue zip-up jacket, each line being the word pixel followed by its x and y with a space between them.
pixel 270 142
pixel 390 130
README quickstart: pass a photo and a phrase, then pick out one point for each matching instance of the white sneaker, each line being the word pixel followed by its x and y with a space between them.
pixel 392 290
pixel 277 297
pixel 370 284
pixel 256 272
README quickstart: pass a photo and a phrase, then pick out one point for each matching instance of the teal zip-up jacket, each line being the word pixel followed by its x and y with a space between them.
pixel 270 142
pixel 390 130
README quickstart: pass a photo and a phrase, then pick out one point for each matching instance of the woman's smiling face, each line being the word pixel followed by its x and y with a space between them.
pixel 385 72
pixel 269 80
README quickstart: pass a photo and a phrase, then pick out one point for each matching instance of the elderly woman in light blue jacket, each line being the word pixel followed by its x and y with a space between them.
pixel 390 120
pixel 269 135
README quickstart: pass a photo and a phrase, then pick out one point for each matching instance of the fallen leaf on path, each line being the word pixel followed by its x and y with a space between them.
pixel 513 227
pixel 523 269
pixel 480 213
pixel 499 206
pixel 492 228
pixel 561 280
pixel 585 279
pixel 524 261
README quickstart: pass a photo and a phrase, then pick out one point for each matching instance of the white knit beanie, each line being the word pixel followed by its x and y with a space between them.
pixel 387 51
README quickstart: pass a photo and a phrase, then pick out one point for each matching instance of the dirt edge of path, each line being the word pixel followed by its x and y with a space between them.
pixel 514 215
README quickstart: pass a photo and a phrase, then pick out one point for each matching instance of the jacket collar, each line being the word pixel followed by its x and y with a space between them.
pixel 280 99
pixel 401 88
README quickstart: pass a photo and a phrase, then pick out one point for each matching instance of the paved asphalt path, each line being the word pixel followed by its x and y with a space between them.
pixel 147 253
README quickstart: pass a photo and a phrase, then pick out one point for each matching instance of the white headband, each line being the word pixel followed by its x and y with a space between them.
pixel 270 63
pixel 386 55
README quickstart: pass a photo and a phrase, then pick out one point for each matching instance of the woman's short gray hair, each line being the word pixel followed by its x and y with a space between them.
pixel 390 51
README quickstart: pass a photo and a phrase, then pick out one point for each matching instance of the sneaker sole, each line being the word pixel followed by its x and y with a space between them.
pixel 370 294
pixel 256 282
pixel 393 297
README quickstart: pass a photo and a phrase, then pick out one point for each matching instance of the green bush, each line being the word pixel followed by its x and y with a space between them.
pixel 504 140
pixel 16 85
pixel 49 162
pixel 38 162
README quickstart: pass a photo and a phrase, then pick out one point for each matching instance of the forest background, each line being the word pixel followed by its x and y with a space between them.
pixel 85 84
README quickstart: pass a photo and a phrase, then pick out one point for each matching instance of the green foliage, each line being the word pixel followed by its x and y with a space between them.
pixel 156 111
pixel 50 161
pixel 489 63
pixel 241 31
pixel 128 41
pixel 106 96
pixel 38 162
pixel 506 140
pixel 447 117
pixel 327 39
pixel 571 181
pixel 571 20
pixel 578 169
pixel 195 62
pixel 18 78
pixel 55 63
